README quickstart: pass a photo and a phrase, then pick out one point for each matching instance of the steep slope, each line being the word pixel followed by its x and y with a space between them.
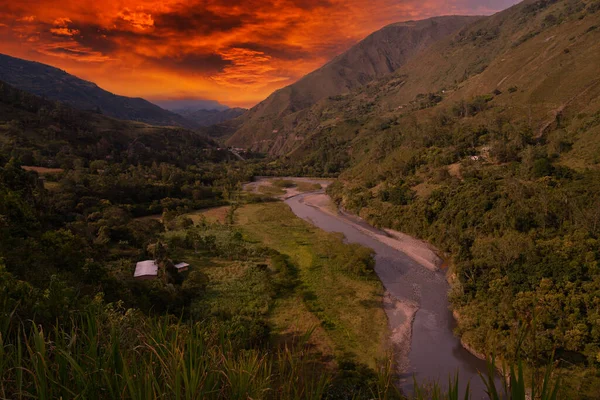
pixel 536 63
pixel 378 55
pixel 210 117
pixel 55 84
pixel 49 134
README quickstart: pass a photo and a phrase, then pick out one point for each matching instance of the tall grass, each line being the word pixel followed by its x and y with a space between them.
pixel 105 354
pixel 139 358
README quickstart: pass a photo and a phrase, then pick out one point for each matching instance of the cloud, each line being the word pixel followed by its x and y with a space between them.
pixel 64 31
pixel 196 20
pixel 62 21
pixel 240 50
pixel 137 19
pixel 28 18
pixel 198 63
pixel 72 51
pixel 61 27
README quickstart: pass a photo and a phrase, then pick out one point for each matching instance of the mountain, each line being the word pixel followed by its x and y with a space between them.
pixel 536 63
pixel 46 133
pixel 189 104
pixel 55 84
pixel 210 117
pixel 378 55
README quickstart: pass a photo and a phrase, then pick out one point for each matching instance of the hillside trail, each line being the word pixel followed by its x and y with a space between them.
pixel 559 110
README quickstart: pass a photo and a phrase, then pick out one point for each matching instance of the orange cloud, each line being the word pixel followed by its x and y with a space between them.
pixel 29 18
pixel 62 27
pixel 234 51
pixel 139 20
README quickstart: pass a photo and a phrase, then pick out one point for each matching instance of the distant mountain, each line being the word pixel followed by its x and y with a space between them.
pixel 378 55
pixel 55 84
pixel 45 133
pixel 189 104
pixel 211 117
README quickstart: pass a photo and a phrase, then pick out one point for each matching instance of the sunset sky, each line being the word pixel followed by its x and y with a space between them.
pixel 233 51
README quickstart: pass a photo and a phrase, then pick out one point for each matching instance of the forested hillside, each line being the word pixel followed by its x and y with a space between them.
pixel 50 134
pixel 487 145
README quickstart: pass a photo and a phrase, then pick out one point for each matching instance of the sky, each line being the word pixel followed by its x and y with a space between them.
pixel 234 51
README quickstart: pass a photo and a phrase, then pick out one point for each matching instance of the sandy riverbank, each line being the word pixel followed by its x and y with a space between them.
pixel 289 192
pixel 401 315
pixel 418 250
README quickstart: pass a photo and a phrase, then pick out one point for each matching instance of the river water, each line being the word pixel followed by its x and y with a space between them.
pixel 435 353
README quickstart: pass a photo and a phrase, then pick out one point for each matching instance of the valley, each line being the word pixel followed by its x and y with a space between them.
pixel 416 219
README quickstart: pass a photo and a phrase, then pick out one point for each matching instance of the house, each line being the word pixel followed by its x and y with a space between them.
pixel 146 270
pixel 182 267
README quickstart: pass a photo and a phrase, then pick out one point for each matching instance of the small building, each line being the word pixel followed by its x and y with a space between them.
pixel 182 267
pixel 146 270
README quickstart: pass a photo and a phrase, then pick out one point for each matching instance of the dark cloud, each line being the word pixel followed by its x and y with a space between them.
pixel 192 63
pixel 97 38
pixel 198 21
pixel 311 4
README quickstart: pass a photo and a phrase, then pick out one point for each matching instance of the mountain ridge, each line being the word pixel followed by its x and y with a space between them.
pixel 46 133
pixel 56 84
pixel 375 56
pixel 208 117
pixel 521 52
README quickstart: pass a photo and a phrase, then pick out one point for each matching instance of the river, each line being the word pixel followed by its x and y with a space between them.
pixel 435 353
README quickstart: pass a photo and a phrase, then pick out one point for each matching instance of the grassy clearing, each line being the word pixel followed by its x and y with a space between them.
pixel 52 186
pixel 283 183
pixel 308 186
pixel 352 322
pixel 43 170
pixel 211 215
pixel 271 190
pixel 424 189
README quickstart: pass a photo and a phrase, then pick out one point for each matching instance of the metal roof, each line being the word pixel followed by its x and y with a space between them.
pixel 146 268
pixel 182 265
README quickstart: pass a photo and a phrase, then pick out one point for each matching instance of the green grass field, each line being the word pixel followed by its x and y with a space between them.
pixel 347 309
pixel 343 310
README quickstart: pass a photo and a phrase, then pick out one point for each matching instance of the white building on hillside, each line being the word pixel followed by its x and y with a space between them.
pixel 182 267
pixel 145 270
